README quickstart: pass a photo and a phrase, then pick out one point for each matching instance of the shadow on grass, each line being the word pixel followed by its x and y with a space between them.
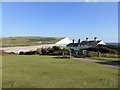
pixel 113 63
pixel 62 57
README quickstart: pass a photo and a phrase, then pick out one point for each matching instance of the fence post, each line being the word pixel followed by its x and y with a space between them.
pixel 63 54
pixel 70 54
pixel 98 54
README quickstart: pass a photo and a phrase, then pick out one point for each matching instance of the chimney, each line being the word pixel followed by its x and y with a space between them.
pixel 86 39
pixel 95 38
pixel 78 40
pixel 73 40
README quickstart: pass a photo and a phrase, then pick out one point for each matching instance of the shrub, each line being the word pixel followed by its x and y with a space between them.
pixel 21 53
pixel 33 52
pixel 114 47
pixel 92 53
pixel 57 53
pixel 55 48
pixel 44 51
pixel 27 53
pixel 11 53
pixel 38 51
pixel 101 49
pixel 79 56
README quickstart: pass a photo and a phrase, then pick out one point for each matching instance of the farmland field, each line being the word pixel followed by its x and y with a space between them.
pixel 28 41
pixel 37 71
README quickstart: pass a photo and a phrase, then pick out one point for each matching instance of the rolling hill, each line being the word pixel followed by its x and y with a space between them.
pixel 28 41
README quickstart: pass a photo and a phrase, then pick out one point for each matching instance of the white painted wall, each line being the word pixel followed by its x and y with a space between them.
pixel 64 41
pixel 101 42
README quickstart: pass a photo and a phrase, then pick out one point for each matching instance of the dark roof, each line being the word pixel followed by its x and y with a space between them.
pixel 73 44
pixel 89 43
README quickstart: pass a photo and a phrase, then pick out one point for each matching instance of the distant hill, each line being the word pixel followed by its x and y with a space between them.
pixel 28 41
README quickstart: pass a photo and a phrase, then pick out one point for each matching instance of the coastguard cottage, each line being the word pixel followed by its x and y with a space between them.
pixel 87 43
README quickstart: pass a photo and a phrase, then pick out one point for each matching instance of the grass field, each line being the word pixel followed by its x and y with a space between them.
pixel 28 41
pixel 50 72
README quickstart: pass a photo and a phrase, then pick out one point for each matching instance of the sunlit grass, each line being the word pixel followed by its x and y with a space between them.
pixel 49 72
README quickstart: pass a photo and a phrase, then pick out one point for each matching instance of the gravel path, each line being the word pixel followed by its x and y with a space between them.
pixel 115 64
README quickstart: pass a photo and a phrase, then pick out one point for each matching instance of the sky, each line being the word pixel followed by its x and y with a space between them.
pixel 61 19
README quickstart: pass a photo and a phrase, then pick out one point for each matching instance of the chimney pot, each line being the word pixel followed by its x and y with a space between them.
pixel 86 39
pixel 95 38
pixel 73 40
pixel 78 40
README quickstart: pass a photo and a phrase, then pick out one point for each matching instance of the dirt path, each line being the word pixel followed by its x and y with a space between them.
pixel 115 64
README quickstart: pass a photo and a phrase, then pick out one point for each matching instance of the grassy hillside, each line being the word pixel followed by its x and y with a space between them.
pixel 49 72
pixel 28 41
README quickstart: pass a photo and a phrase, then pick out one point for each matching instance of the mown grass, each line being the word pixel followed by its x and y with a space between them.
pixel 49 72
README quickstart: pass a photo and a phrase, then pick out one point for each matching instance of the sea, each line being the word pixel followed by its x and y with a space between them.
pixel 112 43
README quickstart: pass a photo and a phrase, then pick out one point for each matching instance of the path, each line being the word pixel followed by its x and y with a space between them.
pixel 110 63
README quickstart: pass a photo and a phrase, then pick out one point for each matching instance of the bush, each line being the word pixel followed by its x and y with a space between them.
pixel 101 50
pixel 109 55
pixel 33 52
pixel 56 53
pixel 38 51
pixel 114 47
pixel 44 51
pixel 79 56
pixel 11 53
pixel 27 53
pixel 47 51
pixel 65 50
pixel 92 53
pixel 21 53
pixel 55 48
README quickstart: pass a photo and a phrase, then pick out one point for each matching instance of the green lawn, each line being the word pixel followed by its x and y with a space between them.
pixel 49 72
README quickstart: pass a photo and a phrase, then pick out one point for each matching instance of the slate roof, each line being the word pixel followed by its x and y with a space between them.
pixel 89 43
pixel 73 44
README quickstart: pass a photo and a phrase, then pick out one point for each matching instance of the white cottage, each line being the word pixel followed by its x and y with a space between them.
pixel 77 46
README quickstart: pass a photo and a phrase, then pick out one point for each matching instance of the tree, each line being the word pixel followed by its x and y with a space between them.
pixel 38 51
pixel 56 48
